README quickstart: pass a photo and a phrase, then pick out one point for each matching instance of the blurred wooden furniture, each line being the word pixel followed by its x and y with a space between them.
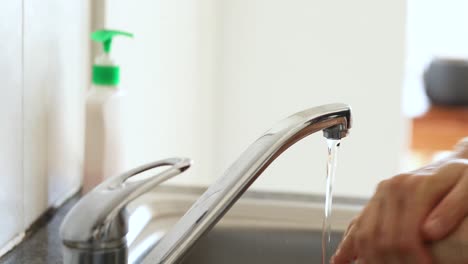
pixel 439 129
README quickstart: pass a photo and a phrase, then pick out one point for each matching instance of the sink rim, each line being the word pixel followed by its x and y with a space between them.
pixel 157 211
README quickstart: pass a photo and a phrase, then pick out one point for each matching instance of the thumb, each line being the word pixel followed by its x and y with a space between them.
pixel 449 213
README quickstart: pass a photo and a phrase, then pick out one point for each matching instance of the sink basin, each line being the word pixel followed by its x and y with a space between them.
pixel 231 245
pixel 260 228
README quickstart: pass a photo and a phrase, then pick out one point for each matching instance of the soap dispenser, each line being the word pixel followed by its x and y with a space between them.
pixel 104 156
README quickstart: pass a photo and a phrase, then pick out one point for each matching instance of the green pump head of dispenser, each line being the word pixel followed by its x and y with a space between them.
pixel 107 73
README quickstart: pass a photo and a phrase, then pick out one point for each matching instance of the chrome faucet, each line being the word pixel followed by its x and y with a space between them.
pixel 105 241
pixel 95 229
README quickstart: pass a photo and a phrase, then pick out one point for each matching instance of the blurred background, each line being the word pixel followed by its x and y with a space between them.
pixel 205 78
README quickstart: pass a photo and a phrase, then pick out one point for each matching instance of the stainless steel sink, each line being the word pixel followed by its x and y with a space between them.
pixel 232 245
pixel 260 228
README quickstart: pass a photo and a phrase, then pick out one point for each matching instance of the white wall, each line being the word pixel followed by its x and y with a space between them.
pixel 206 78
pixel 55 80
pixel 11 134
pixel 167 73
pixel 44 69
pixel 279 57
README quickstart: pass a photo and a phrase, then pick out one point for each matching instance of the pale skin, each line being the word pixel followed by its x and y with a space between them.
pixel 408 212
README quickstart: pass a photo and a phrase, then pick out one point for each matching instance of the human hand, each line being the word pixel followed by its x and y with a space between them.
pixel 406 212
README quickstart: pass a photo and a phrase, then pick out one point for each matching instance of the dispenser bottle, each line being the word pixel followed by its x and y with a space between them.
pixel 104 156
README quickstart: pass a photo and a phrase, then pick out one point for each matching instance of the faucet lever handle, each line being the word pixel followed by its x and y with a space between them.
pixel 124 183
pixel 99 219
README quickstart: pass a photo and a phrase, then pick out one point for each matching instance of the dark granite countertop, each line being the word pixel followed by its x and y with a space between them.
pixel 42 244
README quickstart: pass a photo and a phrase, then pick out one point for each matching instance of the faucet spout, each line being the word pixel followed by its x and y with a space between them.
pixel 333 119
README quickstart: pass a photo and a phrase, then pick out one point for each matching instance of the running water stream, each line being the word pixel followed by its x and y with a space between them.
pixel 326 229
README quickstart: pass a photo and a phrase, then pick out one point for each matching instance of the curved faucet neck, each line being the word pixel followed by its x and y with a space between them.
pixel 333 119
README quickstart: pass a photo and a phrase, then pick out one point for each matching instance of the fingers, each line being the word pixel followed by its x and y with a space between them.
pixel 452 249
pixel 419 194
pixel 388 238
pixel 350 227
pixel 346 251
pixel 449 212
pixel 409 243
pixel 362 241
pixel 368 230
pixel 399 240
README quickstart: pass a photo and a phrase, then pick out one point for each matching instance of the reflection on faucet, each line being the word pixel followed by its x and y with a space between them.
pixel 334 120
